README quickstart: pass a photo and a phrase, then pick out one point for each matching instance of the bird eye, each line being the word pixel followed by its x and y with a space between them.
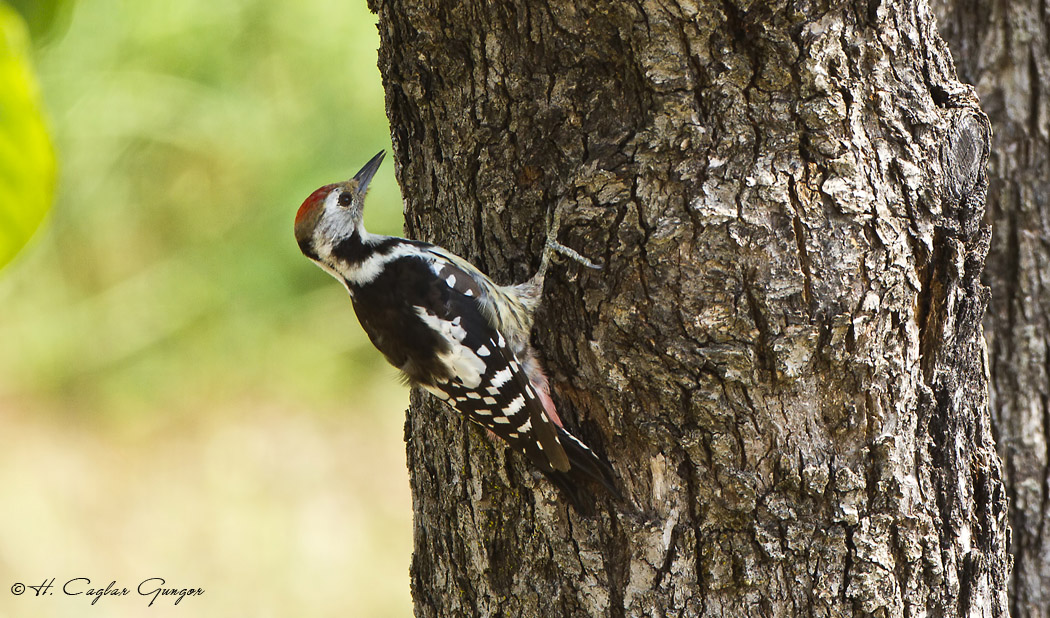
pixel 345 199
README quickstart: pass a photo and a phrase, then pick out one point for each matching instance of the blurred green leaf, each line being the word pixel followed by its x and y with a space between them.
pixel 45 18
pixel 27 160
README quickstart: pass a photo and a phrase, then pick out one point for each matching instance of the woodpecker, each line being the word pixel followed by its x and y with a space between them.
pixel 450 329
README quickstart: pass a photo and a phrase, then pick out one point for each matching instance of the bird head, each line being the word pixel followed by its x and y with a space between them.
pixel 333 212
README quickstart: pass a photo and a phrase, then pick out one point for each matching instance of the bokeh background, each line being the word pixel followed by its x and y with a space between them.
pixel 182 394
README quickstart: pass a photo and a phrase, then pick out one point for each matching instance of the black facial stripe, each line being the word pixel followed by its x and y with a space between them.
pixel 307 247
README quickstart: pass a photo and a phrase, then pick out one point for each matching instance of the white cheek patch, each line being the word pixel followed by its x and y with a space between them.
pixel 460 360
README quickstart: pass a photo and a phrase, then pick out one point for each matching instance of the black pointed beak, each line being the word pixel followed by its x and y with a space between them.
pixel 365 175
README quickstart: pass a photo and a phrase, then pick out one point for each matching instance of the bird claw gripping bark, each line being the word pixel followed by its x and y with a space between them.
pixel 552 246
pixel 450 329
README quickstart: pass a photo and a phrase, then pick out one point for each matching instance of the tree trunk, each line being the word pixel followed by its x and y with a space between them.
pixel 1004 48
pixel 782 358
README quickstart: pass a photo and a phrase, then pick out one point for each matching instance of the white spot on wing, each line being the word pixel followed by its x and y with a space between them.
pixel 482 350
pixel 502 377
pixel 460 360
pixel 577 441
pixel 451 281
pixel 440 394
pixel 502 420
pixel 515 406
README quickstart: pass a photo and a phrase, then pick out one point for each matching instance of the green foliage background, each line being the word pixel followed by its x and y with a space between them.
pixel 183 393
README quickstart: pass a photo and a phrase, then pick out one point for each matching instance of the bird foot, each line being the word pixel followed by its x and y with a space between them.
pixel 553 246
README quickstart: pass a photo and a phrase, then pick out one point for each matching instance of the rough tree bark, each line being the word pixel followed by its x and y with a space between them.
pixel 783 357
pixel 1003 47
